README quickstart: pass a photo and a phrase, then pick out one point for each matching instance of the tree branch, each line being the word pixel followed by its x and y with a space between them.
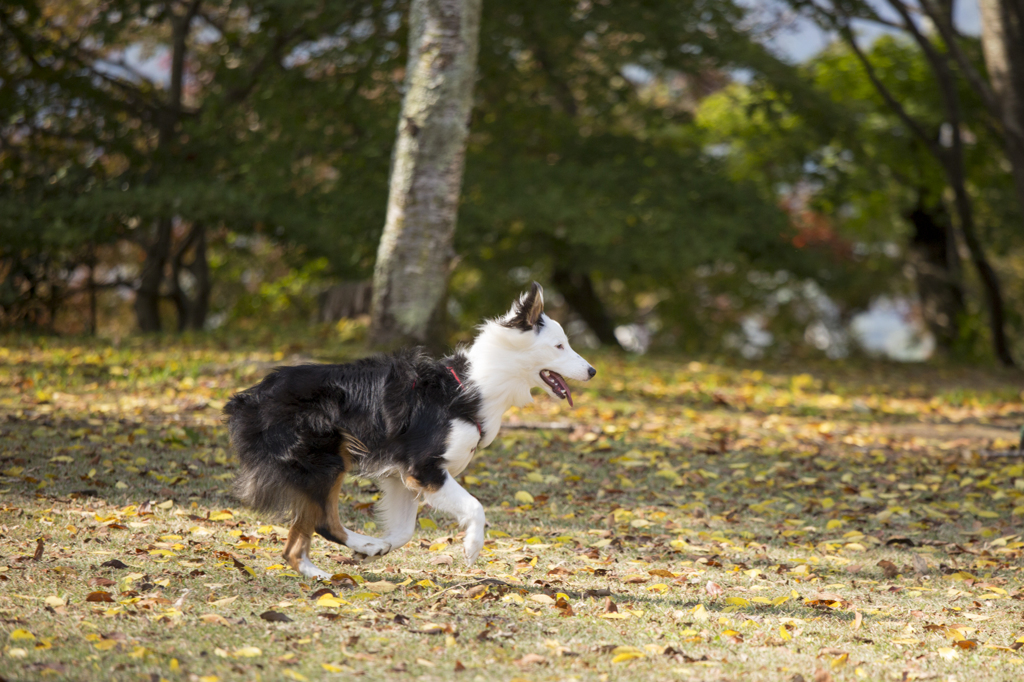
pixel 950 38
pixel 890 100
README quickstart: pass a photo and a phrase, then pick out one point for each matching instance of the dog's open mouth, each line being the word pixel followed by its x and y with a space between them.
pixel 557 384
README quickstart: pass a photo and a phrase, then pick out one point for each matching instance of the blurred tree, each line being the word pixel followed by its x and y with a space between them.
pixel 947 71
pixel 158 122
pixel 583 166
pixel 410 280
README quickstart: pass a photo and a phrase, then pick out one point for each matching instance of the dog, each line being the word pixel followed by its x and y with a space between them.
pixel 409 422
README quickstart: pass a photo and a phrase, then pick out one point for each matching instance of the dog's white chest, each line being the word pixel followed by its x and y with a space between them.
pixel 462 442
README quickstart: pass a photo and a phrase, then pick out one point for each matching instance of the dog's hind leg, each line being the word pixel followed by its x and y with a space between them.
pixel 331 528
pixel 308 517
pixel 330 524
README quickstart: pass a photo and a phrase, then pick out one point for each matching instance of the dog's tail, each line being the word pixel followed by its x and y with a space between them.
pixel 260 482
pixel 277 473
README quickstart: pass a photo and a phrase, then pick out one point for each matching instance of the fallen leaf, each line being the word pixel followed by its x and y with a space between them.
pixel 275 617
pixel 115 563
pixel 99 596
pixel 381 587
pixel 889 569
pixel 523 497
pixel 531 659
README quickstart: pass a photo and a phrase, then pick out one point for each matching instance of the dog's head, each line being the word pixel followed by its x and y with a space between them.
pixel 542 346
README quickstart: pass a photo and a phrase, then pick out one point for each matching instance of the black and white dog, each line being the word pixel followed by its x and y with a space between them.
pixel 405 420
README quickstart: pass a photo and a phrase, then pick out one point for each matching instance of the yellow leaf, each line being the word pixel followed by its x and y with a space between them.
pixel 523 497
pixel 839 661
pixel 328 600
pixel 21 634
pixel 779 601
pixel 660 588
pixel 331 668
pixel 425 583
pixel 381 587
pixel 248 652
pixel 833 524
pixel 737 601
pixel 292 675
pixel 105 644
pixel 221 515
pixel 948 653
pixel 363 595
pixel 427 524
pixel 784 633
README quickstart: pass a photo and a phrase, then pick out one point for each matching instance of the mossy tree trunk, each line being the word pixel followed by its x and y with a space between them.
pixel 414 258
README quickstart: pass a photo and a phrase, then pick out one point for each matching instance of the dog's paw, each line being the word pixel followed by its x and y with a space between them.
pixel 473 543
pixel 364 547
pixel 309 570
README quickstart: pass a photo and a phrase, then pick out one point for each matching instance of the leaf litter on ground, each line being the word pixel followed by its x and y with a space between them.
pixel 697 521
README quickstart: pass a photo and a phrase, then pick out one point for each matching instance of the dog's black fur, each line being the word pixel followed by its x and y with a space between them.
pixel 295 431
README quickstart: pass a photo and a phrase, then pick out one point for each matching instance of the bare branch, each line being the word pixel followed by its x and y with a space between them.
pixel 951 38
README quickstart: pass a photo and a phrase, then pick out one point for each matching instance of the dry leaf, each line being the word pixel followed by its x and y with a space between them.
pixel 99 596
pixel 889 569
pixel 275 617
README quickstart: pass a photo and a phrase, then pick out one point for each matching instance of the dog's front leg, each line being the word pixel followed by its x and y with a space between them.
pixel 467 510
pixel 396 511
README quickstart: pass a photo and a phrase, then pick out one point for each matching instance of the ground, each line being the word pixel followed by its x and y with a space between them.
pixel 687 520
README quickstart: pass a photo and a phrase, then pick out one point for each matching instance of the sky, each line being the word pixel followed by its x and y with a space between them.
pixel 804 39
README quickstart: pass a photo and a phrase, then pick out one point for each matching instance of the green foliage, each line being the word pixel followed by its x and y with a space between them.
pixel 862 173
pixel 583 157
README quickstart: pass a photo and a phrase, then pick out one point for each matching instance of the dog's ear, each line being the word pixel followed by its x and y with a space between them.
pixel 526 312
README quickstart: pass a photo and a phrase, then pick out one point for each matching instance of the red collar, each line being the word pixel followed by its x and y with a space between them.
pixel 459 381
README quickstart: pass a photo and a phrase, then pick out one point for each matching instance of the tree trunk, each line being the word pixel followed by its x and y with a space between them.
pixel 933 255
pixel 147 296
pixel 1002 31
pixel 200 269
pixel 191 307
pixel 410 279
pixel 990 283
pixel 92 290
pixel 579 293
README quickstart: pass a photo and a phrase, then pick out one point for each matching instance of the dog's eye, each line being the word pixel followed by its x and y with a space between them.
pixel 560 347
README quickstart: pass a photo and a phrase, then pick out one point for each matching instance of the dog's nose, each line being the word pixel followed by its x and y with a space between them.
pixel 591 372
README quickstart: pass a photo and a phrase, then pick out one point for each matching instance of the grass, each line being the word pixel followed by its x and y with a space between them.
pixel 693 521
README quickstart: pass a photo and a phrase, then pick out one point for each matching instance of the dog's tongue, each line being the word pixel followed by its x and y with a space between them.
pixel 565 387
